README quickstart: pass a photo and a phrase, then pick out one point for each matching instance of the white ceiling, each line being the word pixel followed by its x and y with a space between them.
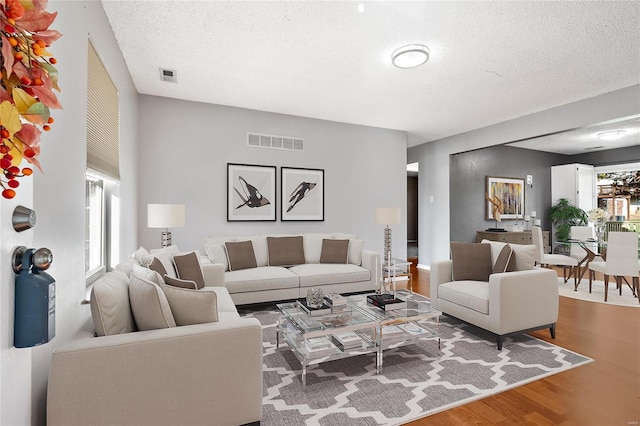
pixel 490 61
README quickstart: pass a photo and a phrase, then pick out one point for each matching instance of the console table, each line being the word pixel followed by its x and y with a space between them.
pixel 520 237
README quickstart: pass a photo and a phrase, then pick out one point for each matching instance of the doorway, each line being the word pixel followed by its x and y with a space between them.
pixel 412 212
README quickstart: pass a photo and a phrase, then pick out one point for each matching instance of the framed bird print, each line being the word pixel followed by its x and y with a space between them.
pixel 302 194
pixel 504 198
pixel 251 193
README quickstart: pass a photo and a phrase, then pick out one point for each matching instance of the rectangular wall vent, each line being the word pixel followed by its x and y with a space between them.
pixel 275 142
pixel 170 76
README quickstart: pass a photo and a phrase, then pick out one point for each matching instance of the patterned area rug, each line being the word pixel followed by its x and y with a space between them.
pixel 416 381
pixel 597 292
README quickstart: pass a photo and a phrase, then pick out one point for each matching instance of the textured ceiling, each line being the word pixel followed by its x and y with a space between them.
pixel 490 61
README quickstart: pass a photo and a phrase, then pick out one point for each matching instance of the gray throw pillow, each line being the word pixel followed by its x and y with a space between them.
pixel 471 261
pixel 285 251
pixel 503 260
pixel 177 282
pixel 188 268
pixel 334 251
pixel 240 255
pixel 156 265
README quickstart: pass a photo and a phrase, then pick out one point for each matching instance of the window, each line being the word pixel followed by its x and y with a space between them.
pixel 103 170
pixel 94 228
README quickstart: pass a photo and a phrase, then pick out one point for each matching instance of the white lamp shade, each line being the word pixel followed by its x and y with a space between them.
pixel 388 216
pixel 165 215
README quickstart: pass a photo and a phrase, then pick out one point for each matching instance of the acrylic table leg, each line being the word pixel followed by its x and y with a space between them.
pixel 304 376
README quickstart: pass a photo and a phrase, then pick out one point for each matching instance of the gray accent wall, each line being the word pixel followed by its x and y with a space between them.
pixel 468 171
pixel 433 157
pixel 185 147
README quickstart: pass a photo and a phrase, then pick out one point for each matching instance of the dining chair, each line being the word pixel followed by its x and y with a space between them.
pixel 548 259
pixel 583 233
pixel 621 261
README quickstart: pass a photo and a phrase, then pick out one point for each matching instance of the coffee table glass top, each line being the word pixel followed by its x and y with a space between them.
pixel 418 307
pixel 346 319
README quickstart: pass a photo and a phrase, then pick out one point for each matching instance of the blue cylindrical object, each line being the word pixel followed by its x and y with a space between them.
pixel 35 297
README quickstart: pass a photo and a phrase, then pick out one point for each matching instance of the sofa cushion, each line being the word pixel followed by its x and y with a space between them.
pixel 523 257
pixel 240 255
pixel 470 294
pixel 126 266
pixel 217 253
pixel 191 306
pixel 334 251
pixel 214 246
pixel 147 274
pixel 149 305
pixel 355 251
pixel 261 278
pixel 285 251
pixel 501 263
pixel 177 282
pixel 496 248
pixel 139 255
pixel 329 273
pixel 471 261
pixel 110 308
pixel 188 267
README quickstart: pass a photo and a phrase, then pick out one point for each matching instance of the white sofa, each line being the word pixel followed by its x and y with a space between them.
pixel 509 302
pixel 207 373
pixel 265 283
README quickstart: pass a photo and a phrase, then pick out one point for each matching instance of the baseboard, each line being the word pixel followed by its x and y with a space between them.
pixel 426 267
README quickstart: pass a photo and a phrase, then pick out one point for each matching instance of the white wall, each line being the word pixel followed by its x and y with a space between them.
pixel 59 201
pixel 185 148
pixel 433 180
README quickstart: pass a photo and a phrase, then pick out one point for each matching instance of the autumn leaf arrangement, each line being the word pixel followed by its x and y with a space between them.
pixel 29 78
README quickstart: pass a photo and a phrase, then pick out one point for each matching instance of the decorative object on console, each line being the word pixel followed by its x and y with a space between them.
pixel 509 192
pixel 315 298
pixel 165 216
pixel 29 79
pixel 302 194
pixel 251 193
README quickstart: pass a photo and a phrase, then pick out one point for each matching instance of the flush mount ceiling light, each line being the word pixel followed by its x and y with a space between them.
pixel 410 56
pixel 611 135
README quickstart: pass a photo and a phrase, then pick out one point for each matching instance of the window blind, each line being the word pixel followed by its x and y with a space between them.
pixel 103 119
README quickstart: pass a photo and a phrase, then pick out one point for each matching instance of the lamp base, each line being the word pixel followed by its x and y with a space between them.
pixel 166 239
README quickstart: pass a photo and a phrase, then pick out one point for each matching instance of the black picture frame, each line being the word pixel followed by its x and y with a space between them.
pixel 251 193
pixel 302 193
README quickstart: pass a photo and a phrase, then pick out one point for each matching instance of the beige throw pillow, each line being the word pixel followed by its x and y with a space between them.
pixel 177 282
pixel 192 306
pixel 240 255
pixel 110 309
pixel 334 251
pixel 523 257
pixel 471 261
pixel 149 305
pixel 285 251
pixel 147 274
pixel 188 267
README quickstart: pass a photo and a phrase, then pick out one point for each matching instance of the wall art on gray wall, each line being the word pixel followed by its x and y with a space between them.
pixel 251 192
pixel 302 194
pixel 508 190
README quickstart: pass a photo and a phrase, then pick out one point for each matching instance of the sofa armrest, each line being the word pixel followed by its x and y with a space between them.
pixel 523 299
pixel 213 274
pixel 371 261
pixel 198 374
pixel 440 273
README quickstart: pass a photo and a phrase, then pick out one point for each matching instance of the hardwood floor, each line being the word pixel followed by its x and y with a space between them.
pixel 604 392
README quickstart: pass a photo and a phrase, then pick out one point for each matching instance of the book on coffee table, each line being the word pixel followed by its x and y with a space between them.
pixel 386 301
pixel 313 311
pixel 347 340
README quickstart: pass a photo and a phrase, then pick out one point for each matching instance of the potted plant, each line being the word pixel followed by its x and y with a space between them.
pixel 564 215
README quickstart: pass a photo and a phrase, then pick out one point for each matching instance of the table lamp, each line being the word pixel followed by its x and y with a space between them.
pixel 165 216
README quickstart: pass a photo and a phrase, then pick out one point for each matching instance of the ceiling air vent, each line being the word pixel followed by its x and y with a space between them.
pixel 168 75
pixel 275 142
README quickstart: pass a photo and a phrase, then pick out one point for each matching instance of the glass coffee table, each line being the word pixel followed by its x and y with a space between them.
pixel 355 329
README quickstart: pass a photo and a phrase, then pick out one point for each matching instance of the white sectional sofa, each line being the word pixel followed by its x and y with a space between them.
pixel 174 374
pixel 353 271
